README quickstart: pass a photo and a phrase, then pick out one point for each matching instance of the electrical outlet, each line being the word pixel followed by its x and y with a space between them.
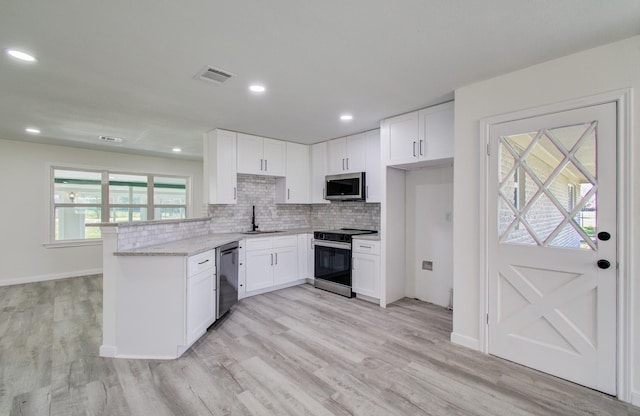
pixel 427 265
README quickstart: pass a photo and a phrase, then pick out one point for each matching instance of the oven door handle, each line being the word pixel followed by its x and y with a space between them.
pixel 332 244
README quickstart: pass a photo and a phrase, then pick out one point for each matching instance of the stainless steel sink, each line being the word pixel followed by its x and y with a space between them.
pixel 260 232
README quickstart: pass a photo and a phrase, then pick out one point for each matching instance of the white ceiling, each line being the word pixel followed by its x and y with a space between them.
pixel 126 68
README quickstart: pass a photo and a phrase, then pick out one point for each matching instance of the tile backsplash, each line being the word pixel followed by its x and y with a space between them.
pixel 261 190
pixel 346 214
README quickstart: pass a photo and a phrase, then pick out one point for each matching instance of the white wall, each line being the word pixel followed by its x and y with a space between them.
pixel 429 233
pixel 607 68
pixel 25 192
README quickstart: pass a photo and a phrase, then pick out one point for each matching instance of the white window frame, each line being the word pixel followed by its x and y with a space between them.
pixel 105 205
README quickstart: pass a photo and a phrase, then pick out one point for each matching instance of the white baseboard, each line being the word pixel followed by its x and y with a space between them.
pixel 46 277
pixel 465 341
pixel 107 351
pixel 635 398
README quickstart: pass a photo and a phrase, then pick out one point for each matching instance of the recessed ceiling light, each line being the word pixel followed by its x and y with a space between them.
pixel 21 55
pixel 257 88
pixel 176 149
pixel 32 130
pixel 346 117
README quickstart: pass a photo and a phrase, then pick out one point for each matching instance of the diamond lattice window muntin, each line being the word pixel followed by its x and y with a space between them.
pixel 566 150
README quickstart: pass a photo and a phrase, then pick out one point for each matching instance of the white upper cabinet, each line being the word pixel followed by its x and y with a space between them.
pixel 294 187
pixel 275 153
pixel 373 164
pixel 220 178
pixel 261 156
pixel 347 154
pixel 400 138
pixel 319 169
pixel 419 138
pixel 436 132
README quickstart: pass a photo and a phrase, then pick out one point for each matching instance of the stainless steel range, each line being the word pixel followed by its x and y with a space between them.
pixel 332 255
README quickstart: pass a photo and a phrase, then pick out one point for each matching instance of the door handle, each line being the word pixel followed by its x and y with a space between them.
pixel 604 236
pixel 604 264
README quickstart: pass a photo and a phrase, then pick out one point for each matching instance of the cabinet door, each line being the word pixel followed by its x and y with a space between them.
pixel 274 155
pixel 294 188
pixel 366 274
pixel 285 268
pixel 374 166
pixel 220 170
pixel 303 257
pixel 200 304
pixel 356 153
pixel 436 132
pixel 319 170
pixel 337 155
pixel 250 154
pixel 401 139
pixel 310 257
pixel 259 269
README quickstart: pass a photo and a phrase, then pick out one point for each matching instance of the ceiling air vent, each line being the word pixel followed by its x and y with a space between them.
pixel 111 139
pixel 215 75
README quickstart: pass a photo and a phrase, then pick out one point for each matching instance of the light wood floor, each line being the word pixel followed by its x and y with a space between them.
pixel 299 351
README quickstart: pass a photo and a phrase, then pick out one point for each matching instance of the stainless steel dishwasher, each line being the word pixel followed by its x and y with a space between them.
pixel 227 279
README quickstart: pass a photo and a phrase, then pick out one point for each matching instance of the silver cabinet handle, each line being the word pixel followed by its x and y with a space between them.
pixel 347 163
pixel 342 163
pixel 421 154
pixel 204 261
pixel 367 193
pixel 261 164
pixel 414 149
pixel 288 193
pixel 276 259
pixel 235 193
pixel 362 246
pixel 265 165
pixel 272 259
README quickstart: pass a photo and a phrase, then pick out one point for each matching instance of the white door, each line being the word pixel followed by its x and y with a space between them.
pixel 552 244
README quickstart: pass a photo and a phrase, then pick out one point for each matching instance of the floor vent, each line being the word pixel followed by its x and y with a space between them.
pixel 214 75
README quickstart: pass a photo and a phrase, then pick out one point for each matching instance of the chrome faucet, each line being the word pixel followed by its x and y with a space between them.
pixel 254 226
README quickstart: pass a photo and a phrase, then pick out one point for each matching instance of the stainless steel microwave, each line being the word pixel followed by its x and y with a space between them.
pixel 346 187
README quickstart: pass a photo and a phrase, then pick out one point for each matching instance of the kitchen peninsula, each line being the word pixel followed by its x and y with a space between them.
pixel 159 283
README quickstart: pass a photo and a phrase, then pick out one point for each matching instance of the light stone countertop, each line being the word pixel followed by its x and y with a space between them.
pixel 191 246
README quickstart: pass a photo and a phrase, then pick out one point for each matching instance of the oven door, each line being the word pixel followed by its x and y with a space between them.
pixel 332 262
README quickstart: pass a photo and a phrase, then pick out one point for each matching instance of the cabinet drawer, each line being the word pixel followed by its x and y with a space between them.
pixel 200 262
pixel 259 243
pixel 365 246
pixel 285 241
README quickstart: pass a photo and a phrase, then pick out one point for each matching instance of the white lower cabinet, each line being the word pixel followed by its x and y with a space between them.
pixel 270 263
pixel 164 304
pixel 366 268
pixel 201 294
